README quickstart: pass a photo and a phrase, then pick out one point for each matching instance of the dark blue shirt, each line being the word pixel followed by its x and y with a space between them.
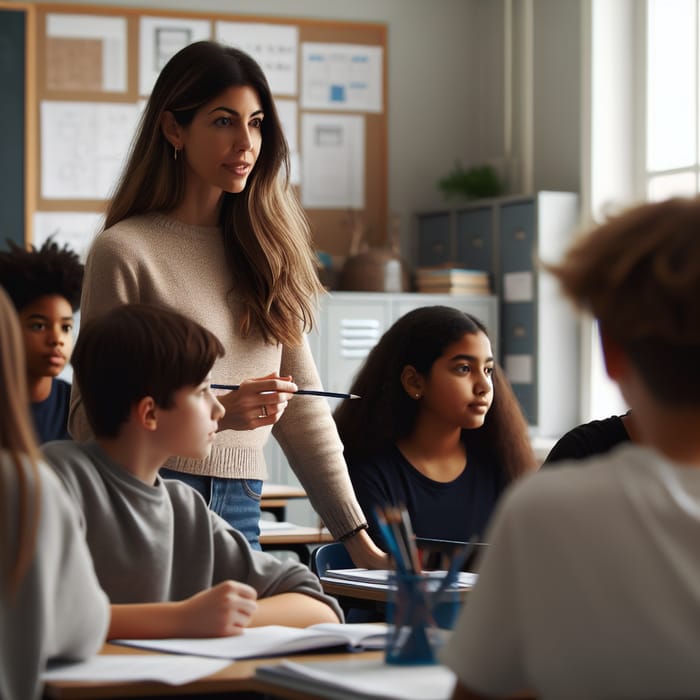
pixel 449 511
pixel 593 438
pixel 51 414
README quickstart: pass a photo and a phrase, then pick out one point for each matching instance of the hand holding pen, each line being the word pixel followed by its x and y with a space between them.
pixel 255 402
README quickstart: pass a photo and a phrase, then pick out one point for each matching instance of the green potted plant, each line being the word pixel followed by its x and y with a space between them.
pixel 472 183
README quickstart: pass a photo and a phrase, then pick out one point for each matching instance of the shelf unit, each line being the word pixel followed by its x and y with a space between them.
pixel 539 331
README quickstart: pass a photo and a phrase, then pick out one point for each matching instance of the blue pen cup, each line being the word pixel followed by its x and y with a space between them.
pixel 419 618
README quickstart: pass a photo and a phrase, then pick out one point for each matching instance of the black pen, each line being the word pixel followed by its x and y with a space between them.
pixel 301 392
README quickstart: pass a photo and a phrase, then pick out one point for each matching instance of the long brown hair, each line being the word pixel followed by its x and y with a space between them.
pixel 267 237
pixel 17 439
pixel 386 413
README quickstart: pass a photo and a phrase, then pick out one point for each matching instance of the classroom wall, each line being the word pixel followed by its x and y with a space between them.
pixel 445 96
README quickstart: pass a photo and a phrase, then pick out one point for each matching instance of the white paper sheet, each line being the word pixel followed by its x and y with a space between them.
pixel 344 77
pixel 362 678
pixel 273 46
pixel 518 286
pixel 173 670
pixel 110 31
pixel 160 38
pixel 519 368
pixel 83 147
pixel 74 229
pixel 333 161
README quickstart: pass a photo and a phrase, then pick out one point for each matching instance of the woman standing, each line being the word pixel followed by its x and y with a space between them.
pixel 204 221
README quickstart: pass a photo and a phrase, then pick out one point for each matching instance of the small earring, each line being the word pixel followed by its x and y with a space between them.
pixel 417 396
pixel 174 152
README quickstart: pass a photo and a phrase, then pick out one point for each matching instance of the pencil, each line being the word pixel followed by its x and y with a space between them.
pixel 301 392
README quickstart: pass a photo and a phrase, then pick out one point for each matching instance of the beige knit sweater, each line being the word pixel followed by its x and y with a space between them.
pixel 155 259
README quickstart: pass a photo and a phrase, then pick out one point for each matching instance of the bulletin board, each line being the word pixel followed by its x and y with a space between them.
pixel 92 72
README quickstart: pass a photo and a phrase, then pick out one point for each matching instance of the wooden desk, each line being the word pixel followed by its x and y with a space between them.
pixel 275 498
pixel 237 677
pixel 295 539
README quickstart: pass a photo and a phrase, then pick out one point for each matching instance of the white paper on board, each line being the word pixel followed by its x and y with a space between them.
pixel 333 161
pixel 273 46
pixel 519 368
pixel 344 77
pixel 518 286
pixel 109 31
pixel 84 146
pixel 160 38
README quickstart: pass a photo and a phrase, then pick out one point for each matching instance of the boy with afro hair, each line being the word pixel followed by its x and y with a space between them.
pixel 44 285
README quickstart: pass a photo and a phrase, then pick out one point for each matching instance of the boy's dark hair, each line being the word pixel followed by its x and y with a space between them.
pixel 138 350
pixel 639 275
pixel 27 275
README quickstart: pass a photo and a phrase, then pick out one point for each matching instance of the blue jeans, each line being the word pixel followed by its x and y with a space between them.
pixel 237 501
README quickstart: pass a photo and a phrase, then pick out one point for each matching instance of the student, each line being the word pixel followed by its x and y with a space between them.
pixel 589 588
pixel 144 375
pixel 438 428
pixel 45 567
pixel 204 221
pixel 595 437
pixel 44 286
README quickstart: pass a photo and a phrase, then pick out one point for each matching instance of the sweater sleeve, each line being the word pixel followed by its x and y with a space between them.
pixel 234 559
pixel 308 435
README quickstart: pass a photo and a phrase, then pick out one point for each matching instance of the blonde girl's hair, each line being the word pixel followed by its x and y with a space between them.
pixel 267 237
pixel 18 442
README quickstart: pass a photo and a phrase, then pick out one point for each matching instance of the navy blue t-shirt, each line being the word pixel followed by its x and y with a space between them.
pixel 455 510
pixel 51 414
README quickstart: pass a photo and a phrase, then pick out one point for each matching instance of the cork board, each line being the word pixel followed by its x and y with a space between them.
pixel 76 69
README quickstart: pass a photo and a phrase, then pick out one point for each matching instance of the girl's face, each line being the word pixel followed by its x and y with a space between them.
pixel 459 388
pixel 222 143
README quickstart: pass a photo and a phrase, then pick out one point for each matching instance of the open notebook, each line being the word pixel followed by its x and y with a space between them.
pixel 272 640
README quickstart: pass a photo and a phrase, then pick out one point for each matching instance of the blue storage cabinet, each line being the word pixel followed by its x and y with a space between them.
pixel 539 331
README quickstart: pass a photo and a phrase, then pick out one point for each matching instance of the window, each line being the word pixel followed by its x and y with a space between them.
pixel 672 165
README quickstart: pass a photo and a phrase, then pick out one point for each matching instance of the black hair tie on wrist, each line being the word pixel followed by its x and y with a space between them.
pixel 352 533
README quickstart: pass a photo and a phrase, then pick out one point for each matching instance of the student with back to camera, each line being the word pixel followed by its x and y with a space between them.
pixel 45 567
pixel 591 577
pixel 44 285
pixel 170 566
pixel 438 428
pixel 592 438
pixel 204 221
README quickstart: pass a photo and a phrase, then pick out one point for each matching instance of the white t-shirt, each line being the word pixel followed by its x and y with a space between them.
pixel 591 585
pixel 59 610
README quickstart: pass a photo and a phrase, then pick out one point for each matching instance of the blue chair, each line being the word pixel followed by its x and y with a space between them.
pixel 334 556
pixel 330 556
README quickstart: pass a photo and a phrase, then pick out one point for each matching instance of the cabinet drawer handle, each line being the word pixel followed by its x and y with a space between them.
pixel 477 242
pixel 519 331
pixel 438 247
pixel 519 234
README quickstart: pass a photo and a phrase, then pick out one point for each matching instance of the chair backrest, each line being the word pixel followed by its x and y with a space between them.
pixel 330 556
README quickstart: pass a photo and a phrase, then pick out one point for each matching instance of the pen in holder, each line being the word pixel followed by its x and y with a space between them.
pixel 420 613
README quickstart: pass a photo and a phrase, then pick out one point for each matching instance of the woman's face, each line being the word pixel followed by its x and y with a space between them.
pixel 459 388
pixel 222 143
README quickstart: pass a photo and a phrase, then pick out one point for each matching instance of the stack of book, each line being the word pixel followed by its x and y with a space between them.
pixel 452 280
